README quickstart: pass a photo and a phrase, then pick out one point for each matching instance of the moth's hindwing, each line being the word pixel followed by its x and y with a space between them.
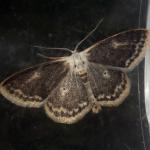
pixel 30 87
pixel 110 87
pixel 68 102
pixel 124 50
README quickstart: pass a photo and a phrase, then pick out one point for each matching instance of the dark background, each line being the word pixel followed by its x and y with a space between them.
pixel 63 23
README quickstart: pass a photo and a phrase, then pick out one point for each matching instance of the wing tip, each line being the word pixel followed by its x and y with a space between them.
pixel 143 51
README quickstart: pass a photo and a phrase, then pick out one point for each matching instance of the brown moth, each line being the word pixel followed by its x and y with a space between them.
pixel 70 87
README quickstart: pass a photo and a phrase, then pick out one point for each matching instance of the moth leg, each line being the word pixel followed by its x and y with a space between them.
pixel 96 108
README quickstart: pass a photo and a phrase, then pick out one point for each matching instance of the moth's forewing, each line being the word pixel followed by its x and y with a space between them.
pixel 68 102
pixel 124 50
pixel 30 87
pixel 110 87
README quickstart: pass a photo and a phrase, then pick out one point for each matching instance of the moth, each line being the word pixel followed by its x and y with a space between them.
pixel 69 87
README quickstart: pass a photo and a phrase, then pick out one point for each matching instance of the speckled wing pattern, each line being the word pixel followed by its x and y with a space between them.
pixel 110 59
pixel 30 87
pixel 51 85
pixel 110 87
pixel 69 101
pixel 124 50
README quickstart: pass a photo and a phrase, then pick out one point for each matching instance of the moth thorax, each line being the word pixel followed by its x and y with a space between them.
pixel 78 63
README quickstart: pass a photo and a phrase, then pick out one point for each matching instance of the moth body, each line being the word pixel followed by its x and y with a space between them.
pixel 79 65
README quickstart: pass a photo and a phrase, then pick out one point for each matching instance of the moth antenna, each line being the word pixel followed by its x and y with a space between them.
pixel 91 32
pixel 42 56
pixel 54 48
pixel 47 57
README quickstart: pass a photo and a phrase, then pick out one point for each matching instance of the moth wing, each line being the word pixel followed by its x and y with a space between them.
pixel 110 87
pixel 30 87
pixel 124 50
pixel 68 102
